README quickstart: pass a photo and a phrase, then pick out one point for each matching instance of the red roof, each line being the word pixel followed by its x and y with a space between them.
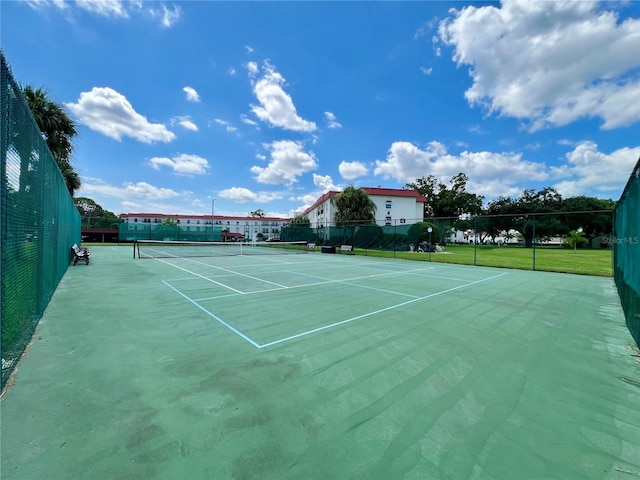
pixel 379 192
pixel 204 217
pixel 394 192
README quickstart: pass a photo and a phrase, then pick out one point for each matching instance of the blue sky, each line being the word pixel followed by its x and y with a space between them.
pixel 266 105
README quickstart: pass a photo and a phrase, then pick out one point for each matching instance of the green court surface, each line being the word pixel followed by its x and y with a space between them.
pixel 322 366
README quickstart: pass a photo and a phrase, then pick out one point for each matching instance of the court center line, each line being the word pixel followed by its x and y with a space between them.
pixel 346 282
pixel 201 276
pixel 236 273
pixel 215 317
pixel 325 327
pixel 328 281
pixel 325 282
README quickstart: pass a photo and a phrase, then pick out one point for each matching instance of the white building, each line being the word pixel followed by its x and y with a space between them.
pixel 239 227
pixel 394 206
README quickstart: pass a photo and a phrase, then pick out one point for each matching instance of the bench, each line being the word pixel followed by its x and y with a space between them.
pixel 311 247
pixel 80 254
pixel 348 249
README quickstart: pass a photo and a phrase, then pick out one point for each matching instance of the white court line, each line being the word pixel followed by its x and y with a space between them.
pixel 362 286
pixel 325 327
pixel 324 282
pixel 237 332
pixel 236 273
pixel 439 277
pixel 201 276
pixel 280 287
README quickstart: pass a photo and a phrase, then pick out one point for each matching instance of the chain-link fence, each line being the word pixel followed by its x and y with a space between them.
pixel 38 223
pixel 626 247
pixel 533 240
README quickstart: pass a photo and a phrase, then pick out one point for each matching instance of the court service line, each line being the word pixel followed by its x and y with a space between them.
pixel 342 322
pixel 324 282
pixel 346 282
pixel 236 273
pixel 201 276
pixel 215 317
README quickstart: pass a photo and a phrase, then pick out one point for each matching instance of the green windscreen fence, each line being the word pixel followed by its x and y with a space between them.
pixel 130 232
pixel 626 252
pixel 38 225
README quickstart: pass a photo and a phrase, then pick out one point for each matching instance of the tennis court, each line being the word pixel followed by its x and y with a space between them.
pixel 323 366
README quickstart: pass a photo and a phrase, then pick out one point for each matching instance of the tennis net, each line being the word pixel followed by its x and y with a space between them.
pixel 179 249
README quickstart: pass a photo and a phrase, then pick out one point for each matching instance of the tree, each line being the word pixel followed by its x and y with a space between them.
pixel 257 213
pixel 419 232
pixel 456 200
pixel 354 207
pixel 575 238
pixel 93 215
pixel 443 201
pixel 593 216
pixel 58 130
pixel 431 188
pixel 300 221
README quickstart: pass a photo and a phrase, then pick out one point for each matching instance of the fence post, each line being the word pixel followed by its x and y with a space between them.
pixel 475 239
pixel 534 243
pixel 395 236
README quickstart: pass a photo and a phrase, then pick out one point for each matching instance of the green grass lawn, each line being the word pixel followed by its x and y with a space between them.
pixel 553 259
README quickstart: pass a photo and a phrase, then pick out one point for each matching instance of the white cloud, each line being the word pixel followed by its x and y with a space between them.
pixel 228 127
pixel 405 162
pixel 185 122
pixel 259 156
pixel 589 170
pixel 425 28
pixel 307 199
pixel 192 95
pixel 232 71
pixel 276 106
pixel 137 197
pixel 288 161
pixel 332 121
pixel 111 9
pixel 253 68
pixel 351 170
pixel 549 63
pixel 167 17
pixel 244 195
pixel 249 49
pixel 325 183
pixel 105 8
pixel 140 190
pixel 426 71
pixel 247 120
pixel 110 113
pixel 182 164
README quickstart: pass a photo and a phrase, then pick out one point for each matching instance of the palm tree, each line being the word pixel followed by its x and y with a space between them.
pixel 574 238
pixel 58 130
pixel 353 206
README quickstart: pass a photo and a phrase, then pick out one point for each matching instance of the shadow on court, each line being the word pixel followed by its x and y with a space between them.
pixel 322 366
